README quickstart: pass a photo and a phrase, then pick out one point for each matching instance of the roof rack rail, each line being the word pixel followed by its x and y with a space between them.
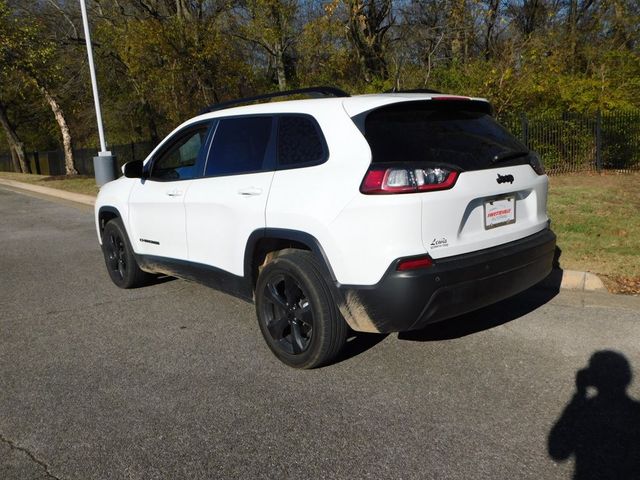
pixel 318 91
pixel 414 90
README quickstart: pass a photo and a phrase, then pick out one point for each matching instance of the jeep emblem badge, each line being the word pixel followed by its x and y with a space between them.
pixel 505 178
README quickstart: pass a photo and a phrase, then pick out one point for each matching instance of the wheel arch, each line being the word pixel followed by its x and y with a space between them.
pixel 105 214
pixel 266 240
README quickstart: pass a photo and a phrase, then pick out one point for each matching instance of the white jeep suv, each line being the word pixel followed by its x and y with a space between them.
pixel 381 213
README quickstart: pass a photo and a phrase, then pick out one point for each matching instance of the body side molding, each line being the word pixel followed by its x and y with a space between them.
pixel 221 280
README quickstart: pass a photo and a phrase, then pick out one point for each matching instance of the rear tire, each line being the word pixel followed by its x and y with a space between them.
pixel 119 257
pixel 296 312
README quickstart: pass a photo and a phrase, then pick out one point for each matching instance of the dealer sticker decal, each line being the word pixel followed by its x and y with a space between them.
pixel 439 243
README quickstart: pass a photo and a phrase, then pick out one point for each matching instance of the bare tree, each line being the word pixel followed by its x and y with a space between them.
pixel 270 25
pixel 368 23
pixel 67 142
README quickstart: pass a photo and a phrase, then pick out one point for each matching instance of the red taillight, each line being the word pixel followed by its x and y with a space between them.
pixel 407 180
pixel 414 263
pixel 373 180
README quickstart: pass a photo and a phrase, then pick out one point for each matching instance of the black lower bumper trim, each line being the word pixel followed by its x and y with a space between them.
pixel 455 285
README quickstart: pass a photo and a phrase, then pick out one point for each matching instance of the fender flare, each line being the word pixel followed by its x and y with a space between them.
pixel 108 209
pixel 285 234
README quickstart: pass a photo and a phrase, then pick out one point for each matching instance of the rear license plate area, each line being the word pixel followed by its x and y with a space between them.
pixel 499 211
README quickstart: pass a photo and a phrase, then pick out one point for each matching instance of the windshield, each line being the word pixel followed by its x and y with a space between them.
pixel 454 133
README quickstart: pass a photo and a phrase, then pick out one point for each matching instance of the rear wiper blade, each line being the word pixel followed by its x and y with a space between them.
pixel 508 155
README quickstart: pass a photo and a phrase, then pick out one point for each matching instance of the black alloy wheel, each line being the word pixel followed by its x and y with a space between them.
pixel 296 311
pixel 288 314
pixel 115 253
pixel 119 257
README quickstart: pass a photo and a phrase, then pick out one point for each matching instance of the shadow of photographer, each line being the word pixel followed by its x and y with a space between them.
pixel 600 426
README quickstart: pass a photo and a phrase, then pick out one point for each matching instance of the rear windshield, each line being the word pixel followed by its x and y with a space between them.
pixel 456 133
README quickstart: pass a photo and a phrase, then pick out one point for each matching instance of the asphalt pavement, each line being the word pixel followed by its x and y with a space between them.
pixel 174 380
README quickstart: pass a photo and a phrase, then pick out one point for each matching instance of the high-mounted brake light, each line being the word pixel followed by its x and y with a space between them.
pixel 450 97
pixel 407 180
pixel 414 263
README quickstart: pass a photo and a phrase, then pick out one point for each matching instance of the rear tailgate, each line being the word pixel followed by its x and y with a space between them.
pixel 478 212
pixel 485 188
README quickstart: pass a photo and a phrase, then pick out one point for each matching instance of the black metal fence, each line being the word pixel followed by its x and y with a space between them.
pixel 574 143
pixel 567 143
pixel 52 162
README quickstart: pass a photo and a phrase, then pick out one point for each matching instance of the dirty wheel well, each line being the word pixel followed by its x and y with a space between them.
pixel 105 217
pixel 268 248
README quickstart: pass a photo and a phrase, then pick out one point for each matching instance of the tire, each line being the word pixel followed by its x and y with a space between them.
pixel 296 312
pixel 119 258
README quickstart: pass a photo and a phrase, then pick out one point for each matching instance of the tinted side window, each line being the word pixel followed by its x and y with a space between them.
pixel 178 161
pixel 299 141
pixel 239 145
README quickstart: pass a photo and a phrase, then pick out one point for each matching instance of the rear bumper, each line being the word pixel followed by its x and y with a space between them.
pixel 455 285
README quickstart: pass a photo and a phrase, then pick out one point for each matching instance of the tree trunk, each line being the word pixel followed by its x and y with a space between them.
pixel 491 20
pixel 183 10
pixel 573 32
pixel 458 22
pixel 15 144
pixel 280 67
pixel 151 115
pixel 69 165
pixel 368 23
pixel 15 162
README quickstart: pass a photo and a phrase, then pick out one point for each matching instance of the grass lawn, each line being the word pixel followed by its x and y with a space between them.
pixel 596 218
pixel 79 184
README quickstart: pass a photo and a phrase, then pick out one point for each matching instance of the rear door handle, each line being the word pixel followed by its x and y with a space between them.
pixel 250 191
pixel 175 193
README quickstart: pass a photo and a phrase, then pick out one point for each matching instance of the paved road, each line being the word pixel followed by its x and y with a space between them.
pixel 174 380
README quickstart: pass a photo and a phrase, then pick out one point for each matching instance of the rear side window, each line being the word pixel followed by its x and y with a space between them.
pixel 239 145
pixel 299 141
pixel 453 133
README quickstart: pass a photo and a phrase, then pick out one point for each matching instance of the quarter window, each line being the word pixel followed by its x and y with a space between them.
pixel 239 145
pixel 299 141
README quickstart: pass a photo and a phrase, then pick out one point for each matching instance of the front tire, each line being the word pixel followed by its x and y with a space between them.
pixel 296 312
pixel 119 257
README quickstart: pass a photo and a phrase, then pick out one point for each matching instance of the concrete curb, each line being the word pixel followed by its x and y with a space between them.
pixel 574 280
pixel 52 192
pixel 566 279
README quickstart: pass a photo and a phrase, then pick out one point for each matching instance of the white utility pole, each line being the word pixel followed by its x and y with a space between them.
pixel 104 163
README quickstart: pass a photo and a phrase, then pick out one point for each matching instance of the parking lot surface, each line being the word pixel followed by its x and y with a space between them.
pixel 174 380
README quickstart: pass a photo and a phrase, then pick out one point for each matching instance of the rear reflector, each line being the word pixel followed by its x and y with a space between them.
pixel 414 263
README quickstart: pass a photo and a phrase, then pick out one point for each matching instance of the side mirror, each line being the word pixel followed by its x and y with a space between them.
pixel 133 169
